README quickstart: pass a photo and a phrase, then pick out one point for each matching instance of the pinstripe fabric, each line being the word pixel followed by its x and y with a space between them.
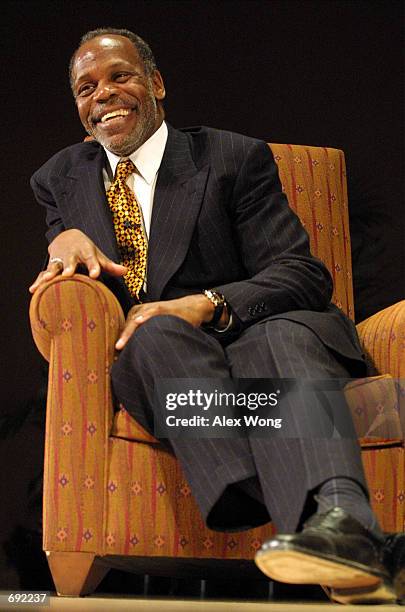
pixel 287 468
pixel 219 220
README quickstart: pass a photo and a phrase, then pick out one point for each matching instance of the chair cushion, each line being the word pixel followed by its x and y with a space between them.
pixel 125 427
pixel 373 403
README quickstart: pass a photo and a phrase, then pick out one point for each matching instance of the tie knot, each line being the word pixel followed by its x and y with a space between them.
pixel 124 168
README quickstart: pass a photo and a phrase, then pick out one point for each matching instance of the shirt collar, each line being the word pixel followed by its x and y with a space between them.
pixel 148 157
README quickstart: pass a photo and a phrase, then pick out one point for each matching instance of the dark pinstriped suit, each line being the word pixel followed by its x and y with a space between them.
pixel 220 220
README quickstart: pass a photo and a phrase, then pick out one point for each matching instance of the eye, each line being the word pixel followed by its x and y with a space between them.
pixel 85 89
pixel 121 77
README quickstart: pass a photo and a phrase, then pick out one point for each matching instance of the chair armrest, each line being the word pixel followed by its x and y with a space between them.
pixel 382 337
pixel 75 322
pixel 46 321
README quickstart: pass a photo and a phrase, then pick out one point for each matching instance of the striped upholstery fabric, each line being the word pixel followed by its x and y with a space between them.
pixel 65 316
pixel 375 410
pixel 383 340
pixel 150 510
pixel 385 471
pixel 125 427
pixel 314 180
pixel 107 488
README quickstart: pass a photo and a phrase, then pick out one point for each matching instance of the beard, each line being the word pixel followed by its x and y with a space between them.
pixel 125 144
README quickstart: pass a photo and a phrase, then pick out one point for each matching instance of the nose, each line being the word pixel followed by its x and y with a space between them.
pixel 104 91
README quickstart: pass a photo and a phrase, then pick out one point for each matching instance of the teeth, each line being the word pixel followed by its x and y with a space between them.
pixel 122 112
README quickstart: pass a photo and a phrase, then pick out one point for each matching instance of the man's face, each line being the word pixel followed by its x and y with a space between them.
pixel 118 102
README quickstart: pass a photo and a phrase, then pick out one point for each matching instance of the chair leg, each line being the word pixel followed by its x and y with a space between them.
pixel 75 573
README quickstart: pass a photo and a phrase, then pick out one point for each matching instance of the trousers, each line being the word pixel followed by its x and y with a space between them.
pixel 287 469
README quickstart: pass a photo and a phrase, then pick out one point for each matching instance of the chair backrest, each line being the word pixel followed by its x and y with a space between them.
pixel 314 180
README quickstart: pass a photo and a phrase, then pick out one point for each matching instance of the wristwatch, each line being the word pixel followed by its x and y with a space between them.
pixel 219 304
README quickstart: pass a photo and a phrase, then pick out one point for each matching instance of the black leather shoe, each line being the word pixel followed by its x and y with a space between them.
pixel 394 561
pixel 335 551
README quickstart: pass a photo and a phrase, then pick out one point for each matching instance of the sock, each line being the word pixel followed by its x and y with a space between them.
pixel 349 495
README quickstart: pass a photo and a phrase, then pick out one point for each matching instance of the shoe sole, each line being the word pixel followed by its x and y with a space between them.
pixel 379 594
pixel 300 567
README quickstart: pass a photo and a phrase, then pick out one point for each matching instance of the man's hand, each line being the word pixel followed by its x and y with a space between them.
pixel 195 309
pixel 70 249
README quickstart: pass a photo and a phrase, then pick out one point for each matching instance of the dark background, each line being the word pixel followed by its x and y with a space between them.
pixel 319 72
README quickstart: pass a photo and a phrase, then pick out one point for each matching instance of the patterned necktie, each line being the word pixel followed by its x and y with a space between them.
pixel 129 230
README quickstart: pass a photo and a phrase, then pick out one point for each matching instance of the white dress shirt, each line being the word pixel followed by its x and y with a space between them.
pixel 147 160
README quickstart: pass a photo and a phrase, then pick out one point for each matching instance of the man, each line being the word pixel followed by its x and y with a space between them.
pixel 217 268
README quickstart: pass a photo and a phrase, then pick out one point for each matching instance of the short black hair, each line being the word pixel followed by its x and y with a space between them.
pixel 144 50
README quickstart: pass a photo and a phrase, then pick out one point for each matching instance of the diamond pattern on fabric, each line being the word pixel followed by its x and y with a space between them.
pixel 129 229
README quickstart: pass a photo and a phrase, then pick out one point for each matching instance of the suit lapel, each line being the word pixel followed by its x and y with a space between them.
pixel 88 203
pixel 177 202
pixel 88 208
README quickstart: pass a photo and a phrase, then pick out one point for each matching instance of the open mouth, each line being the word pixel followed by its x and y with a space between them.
pixel 113 116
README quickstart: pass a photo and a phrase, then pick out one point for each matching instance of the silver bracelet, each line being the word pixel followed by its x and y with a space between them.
pixel 225 329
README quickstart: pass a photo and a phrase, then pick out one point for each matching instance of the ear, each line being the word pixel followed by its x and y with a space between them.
pixel 158 85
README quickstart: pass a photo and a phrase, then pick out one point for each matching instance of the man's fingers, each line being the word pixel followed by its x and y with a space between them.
pixel 97 261
pixel 56 261
pixel 68 250
pixel 70 265
pixel 111 267
pixel 36 283
pixel 67 267
pixel 187 308
pixel 42 278
pixel 92 263
pixel 134 320
pixel 90 260
pixel 53 269
pixel 126 333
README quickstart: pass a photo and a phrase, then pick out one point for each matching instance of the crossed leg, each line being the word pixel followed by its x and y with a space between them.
pixel 287 468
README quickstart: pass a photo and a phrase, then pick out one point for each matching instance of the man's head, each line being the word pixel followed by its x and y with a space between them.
pixel 117 88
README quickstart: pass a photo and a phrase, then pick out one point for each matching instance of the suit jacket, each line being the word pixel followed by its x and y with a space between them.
pixel 219 220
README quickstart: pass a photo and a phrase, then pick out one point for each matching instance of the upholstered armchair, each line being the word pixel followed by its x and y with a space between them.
pixel 111 491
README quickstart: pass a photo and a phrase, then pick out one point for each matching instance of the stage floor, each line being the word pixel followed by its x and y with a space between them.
pixel 117 603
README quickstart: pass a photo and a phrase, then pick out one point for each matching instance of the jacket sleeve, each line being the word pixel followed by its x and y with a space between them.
pixel 45 198
pixel 282 275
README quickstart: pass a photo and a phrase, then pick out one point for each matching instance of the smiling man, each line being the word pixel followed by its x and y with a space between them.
pixel 191 231
pixel 123 124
